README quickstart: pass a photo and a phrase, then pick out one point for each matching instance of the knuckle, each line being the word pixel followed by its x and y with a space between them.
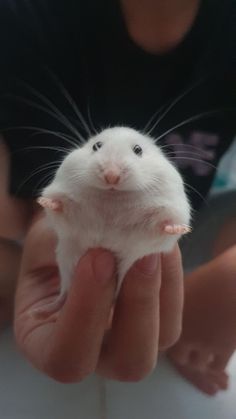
pixel 66 374
pixel 134 374
pixel 170 339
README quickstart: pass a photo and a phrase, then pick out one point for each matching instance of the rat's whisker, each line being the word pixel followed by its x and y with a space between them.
pixel 173 103
pixel 69 99
pixel 152 187
pixel 53 111
pixel 45 180
pixel 69 139
pixel 183 146
pixel 65 150
pixel 184 153
pixel 47 166
pixel 145 129
pixel 90 119
pixel 187 121
pixel 196 160
pixel 196 191
pixel 77 176
pixel 30 148
pixel 73 140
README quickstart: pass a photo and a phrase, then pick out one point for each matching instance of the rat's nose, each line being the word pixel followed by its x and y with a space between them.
pixel 111 177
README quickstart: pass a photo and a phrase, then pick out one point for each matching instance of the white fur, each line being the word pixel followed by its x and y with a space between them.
pixel 126 220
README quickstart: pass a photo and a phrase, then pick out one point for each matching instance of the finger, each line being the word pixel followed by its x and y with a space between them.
pixel 131 348
pixel 171 298
pixel 71 345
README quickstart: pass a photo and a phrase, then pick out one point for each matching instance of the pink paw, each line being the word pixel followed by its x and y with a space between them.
pixel 176 229
pixel 50 203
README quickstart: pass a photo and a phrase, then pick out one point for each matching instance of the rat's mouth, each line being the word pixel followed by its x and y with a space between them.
pixel 112 188
pixel 108 188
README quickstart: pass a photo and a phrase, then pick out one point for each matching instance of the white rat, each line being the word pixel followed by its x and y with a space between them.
pixel 119 192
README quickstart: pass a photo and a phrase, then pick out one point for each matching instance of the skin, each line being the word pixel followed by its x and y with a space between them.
pixel 157 26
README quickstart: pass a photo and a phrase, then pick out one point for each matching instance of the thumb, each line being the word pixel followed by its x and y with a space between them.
pixel 80 328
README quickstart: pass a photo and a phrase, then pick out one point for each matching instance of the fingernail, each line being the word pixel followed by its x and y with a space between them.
pixel 104 266
pixel 148 264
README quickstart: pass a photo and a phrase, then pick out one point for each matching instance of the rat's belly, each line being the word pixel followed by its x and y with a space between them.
pixel 123 242
pixel 127 246
pixel 128 243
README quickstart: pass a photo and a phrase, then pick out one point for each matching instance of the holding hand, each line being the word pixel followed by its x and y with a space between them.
pixel 75 341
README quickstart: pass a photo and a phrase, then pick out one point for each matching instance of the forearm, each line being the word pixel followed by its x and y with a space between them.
pixel 10 262
pixel 15 214
pixel 10 256
pixel 226 237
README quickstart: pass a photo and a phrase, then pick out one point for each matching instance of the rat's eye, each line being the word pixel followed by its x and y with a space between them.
pixel 97 145
pixel 138 150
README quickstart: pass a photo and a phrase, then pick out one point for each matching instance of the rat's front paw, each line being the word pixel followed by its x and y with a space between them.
pixel 50 203
pixel 175 229
pixel 166 226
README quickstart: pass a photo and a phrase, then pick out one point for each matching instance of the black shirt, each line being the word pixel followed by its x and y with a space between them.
pixel 53 51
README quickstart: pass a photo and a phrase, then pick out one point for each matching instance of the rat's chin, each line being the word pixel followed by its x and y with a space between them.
pixel 110 188
pixel 122 186
pixel 103 187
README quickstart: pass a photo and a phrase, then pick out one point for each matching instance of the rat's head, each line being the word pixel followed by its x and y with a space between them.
pixel 116 159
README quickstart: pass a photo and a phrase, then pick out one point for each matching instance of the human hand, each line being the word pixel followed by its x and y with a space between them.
pixel 208 339
pixel 75 342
